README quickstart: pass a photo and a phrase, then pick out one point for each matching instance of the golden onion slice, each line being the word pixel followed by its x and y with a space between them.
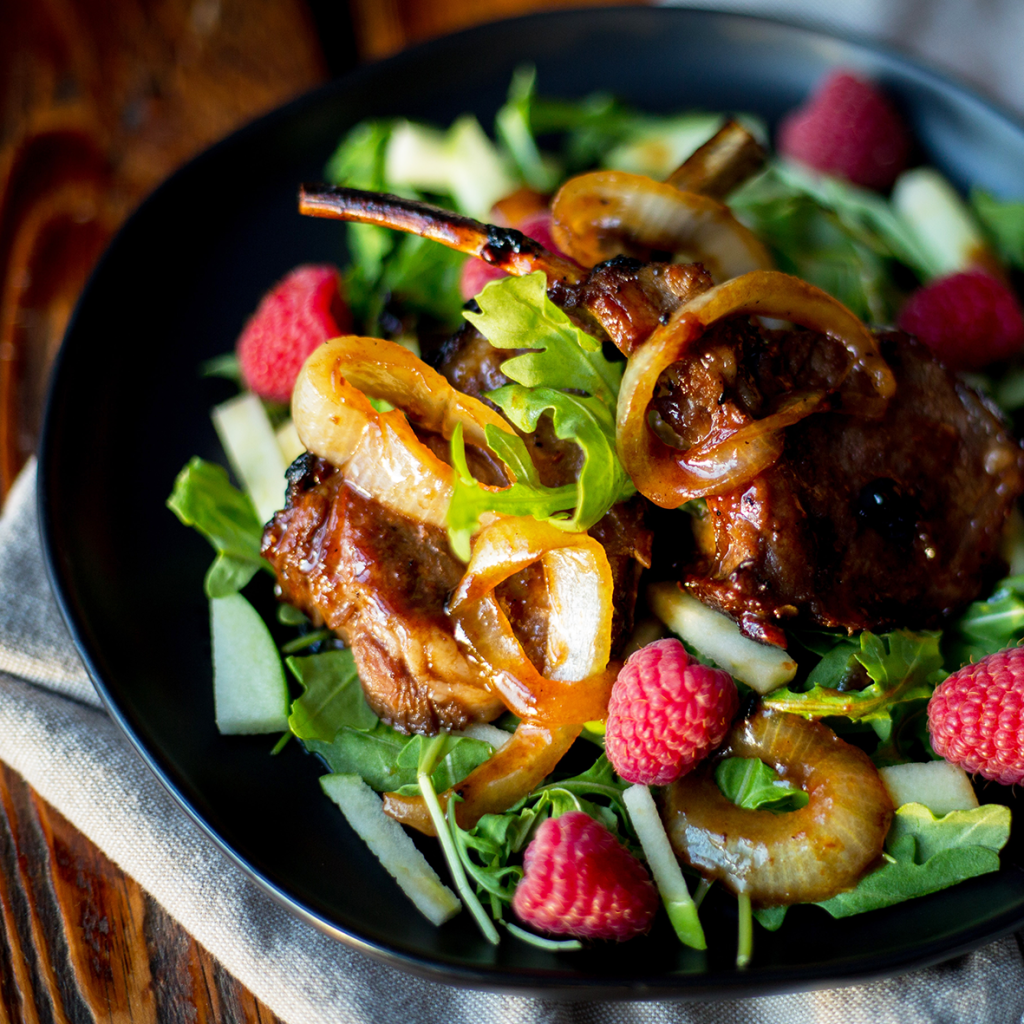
pixel 802 856
pixel 737 447
pixel 379 453
pixel 602 214
pixel 575 683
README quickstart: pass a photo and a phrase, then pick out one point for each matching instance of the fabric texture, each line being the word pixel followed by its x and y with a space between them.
pixel 54 732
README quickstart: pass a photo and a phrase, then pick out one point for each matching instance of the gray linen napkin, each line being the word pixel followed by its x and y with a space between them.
pixel 53 732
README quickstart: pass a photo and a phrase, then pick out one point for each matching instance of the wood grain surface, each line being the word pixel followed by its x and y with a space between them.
pixel 81 942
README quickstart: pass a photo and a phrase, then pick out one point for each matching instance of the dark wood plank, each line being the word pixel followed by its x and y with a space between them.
pixel 82 943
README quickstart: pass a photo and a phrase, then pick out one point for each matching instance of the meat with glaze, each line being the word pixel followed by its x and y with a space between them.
pixel 381 582
pixel 863 523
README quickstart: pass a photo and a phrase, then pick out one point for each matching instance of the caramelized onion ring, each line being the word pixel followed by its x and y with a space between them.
pixel 576 683
pixel 594 213
pixel 514 770
pixel 379 453
pixel 802 856
pixel 737 448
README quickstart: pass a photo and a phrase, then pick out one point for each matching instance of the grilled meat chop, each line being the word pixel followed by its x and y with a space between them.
pixel 381 582
pixel 863 523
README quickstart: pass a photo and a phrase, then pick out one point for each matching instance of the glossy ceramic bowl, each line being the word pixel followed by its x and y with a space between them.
pixel 128 408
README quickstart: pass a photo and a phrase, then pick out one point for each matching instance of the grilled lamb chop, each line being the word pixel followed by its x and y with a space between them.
pixel 863 523
pixel 381 582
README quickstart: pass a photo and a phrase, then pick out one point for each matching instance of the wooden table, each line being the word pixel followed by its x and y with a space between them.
pixel 98 103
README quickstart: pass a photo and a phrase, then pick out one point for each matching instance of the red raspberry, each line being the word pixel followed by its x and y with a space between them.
pixel 579 880
pixel 848 129
pixel 299 313
pixel 667 712
pixel 476 273
pixel 968 320
pixel 976 717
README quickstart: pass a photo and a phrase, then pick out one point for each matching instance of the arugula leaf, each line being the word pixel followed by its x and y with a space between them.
pixel 564 374
pixel 602 481
pixel 1003 221
pixel 204 498
pixel 751 784
pixel 835 235
pixel 359 163
pixel 372 754
pixel 387 760
pixel 513 128
pixel 425 275
pixel 458 756
pixel 526 496
pixel 925 854
pixel 904 667
pixel 516 313
pixel 770 918
pixel 332 696
pixel 989 625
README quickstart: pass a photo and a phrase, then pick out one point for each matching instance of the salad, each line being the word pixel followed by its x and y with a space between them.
pixel 648 576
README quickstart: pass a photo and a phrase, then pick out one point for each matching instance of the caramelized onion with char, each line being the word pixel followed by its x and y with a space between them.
pixel 379 453
pixel 604 214
pixel 734 447
pixel 575 684
pixel 802 856
pixel 513 771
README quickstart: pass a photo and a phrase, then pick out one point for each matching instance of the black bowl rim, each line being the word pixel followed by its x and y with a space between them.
pixel 714 985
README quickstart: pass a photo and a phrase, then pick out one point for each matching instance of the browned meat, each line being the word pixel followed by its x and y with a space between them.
pixel 862 523
pixel 621 299
pixel 473 365
pixel 381 582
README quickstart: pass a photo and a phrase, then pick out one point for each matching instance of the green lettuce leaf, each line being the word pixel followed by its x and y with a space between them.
pixel 751 784
pixel 204 498
pixel 904 668
pixel 1003 222
pixel 843 239
pixel 989 625
pixel 332 696
pixel 924 854
pixel 563 374
pixel 386 760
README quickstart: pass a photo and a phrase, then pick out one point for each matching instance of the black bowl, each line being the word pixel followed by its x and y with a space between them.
pixel 127 409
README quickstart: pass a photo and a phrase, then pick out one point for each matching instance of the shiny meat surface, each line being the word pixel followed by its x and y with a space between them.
pixel 863 523
pixel 380 581
pixel 473 365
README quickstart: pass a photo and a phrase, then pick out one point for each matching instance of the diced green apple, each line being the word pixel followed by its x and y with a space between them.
pixel 942 787
pixel 248 438
pixel 250 694
pixel 762 667
pixel 391 845
pixel 668 876
pixel 942 222
pixel 289 443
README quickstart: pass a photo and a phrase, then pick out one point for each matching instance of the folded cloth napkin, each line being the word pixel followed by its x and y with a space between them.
pixel 55 734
